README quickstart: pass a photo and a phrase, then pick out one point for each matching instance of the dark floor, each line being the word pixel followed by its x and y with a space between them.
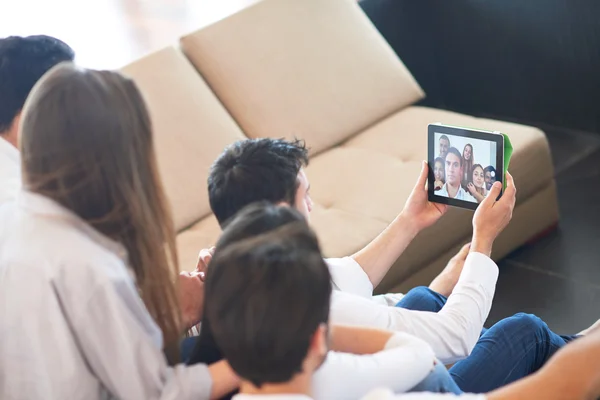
pixel 558 277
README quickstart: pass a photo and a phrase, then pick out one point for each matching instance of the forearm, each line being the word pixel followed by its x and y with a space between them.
pixel 378 256
pixel 401 364
pixel 224 379
pixel 359 340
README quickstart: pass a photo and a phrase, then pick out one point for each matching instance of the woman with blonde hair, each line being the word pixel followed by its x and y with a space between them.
pixel 87 254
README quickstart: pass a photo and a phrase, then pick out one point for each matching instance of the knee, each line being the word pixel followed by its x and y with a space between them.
pixel 527 323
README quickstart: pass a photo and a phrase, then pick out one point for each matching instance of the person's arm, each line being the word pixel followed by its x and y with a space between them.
pixel 452 332
pixel 118 340
pixel 474 193
pixel 399 363
pixel 378 256
pixel 455 329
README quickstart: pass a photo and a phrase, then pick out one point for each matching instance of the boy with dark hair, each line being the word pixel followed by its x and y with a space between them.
pixel 268 302
pixel 23 61
pixel 344 375
pixel 444 146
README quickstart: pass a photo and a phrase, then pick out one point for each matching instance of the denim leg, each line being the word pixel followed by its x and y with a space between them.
pixel 186 347
pixel 511 349
pixel 438 381
pixel 422 298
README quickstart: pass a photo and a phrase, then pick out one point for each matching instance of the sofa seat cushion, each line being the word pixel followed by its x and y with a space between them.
pixel 315 69
pixel 191 128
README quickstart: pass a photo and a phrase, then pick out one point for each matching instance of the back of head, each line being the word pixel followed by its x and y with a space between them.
pixel 255 170
pixel 23 61
pixel 256 219
pixel 86 140
pixel 266 297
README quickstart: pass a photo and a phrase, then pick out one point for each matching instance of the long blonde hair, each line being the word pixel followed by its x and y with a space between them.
pixel 86 142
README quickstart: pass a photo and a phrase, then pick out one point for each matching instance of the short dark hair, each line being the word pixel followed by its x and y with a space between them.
pixel 253 220
pixel 444 137
pixel 489 168
pixel 23 61
pixel 454 150
pixel 266 297
pixel 255 170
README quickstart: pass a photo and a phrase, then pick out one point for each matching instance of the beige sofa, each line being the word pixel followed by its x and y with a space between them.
pixel 319 70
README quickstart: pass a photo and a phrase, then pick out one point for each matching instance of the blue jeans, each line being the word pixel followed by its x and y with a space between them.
pixel 511 349
pixel 186 347
pixel 438 381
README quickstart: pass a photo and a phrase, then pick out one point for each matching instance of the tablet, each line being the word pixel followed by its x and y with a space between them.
pixel 464 163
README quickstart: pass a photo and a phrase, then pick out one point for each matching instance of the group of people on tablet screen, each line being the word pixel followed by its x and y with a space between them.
pixel 458 176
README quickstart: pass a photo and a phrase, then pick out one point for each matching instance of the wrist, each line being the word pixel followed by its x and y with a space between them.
pixel 409 224
pixel 481 244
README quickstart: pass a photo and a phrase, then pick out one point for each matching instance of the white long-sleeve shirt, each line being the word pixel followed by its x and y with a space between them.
pixel 404 363
pixel 382 394
pixel 10 171
pixel 452 332
pixel 348 276
pixel 72 325
pixel 393 363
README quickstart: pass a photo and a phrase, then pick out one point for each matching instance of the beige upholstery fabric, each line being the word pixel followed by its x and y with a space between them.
pixel 404 137
pixel 202 235
pixel 314 69
pixel 371 176
pixel 191 129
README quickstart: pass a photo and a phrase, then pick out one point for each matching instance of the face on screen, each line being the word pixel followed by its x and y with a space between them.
pixel 453 169
pixel 469 166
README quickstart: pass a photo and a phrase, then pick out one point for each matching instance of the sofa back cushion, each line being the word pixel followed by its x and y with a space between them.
pixel 312 69
pixel 191 128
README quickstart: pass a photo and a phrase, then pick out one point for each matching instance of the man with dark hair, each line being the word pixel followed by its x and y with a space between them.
pixel 454 175
pixel 489 175
pixel 268 300
pixel 273 170
pixel 272 249
pixel 444 146
pixel 454 326
pixel 23 61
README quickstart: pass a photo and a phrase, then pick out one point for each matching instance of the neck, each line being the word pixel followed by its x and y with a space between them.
pixel 300 384
pixel 10 136
pixel 452 190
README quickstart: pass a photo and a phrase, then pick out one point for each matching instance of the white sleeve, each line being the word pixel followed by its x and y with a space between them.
pixel 386 394
pixel 388 299
pixel 452 332
pixel 122 355
pixel 405 361
pixel 348 276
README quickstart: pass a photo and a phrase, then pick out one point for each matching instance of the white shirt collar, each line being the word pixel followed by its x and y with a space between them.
pixel 44 206
pixel 271 397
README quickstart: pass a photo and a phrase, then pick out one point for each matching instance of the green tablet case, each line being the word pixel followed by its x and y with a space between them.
pixel 508 150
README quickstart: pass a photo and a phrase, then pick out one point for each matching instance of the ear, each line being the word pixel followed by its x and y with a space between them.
pixel 319 343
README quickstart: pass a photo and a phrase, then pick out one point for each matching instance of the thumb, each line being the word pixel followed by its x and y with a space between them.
pixel 492 195
pixel 423 176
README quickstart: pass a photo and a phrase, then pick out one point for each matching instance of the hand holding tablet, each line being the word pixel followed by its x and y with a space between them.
pixel 464 164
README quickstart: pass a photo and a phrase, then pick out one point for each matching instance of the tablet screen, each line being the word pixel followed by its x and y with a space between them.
pixel 463 165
